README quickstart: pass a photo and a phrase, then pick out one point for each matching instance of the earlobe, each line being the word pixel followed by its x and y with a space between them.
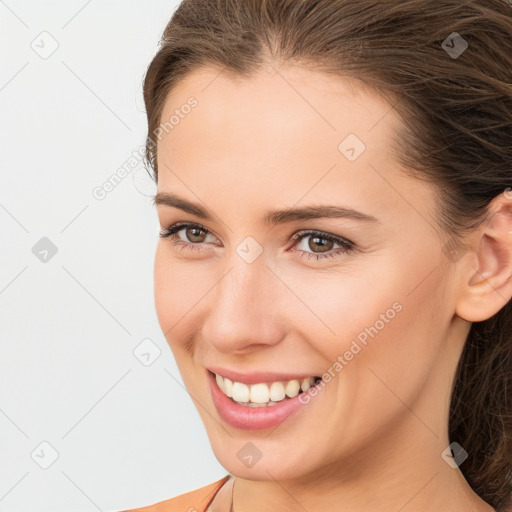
pixel 486 270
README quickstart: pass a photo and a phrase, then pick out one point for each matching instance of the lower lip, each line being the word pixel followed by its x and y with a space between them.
pixel 253 418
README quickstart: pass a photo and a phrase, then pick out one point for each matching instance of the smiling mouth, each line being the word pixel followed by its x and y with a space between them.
pixel 264 394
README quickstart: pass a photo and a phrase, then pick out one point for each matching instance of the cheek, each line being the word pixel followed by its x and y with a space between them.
pixel 170 291
pixel 383 353
pixel 178 292
pixel 373 322
pixel 161 278
pixel 403 340
pixel 356 306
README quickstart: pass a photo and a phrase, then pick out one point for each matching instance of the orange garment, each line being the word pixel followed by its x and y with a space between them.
pixel 193 501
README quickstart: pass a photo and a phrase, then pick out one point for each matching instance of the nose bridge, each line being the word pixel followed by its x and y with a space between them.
pixel 242 291
pixel 241 312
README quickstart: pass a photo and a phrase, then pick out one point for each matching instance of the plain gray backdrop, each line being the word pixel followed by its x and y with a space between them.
pixel 93 413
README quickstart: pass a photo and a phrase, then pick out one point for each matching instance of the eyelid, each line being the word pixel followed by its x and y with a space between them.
pixel 178 226
pixel 322 234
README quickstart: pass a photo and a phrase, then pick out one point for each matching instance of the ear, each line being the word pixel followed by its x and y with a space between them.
pixel 486 268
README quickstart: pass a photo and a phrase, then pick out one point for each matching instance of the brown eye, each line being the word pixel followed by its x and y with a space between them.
pixel 195 234
pixel 186 234
pixel 319 244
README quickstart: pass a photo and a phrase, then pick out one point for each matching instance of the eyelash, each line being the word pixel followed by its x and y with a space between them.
pixel 347 246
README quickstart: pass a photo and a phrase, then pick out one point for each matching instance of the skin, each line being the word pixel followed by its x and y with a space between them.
pixel 371 440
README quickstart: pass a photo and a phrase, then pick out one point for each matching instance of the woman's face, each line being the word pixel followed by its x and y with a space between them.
pixel 242 296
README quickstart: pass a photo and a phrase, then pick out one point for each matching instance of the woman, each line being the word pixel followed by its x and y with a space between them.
pixel 334 272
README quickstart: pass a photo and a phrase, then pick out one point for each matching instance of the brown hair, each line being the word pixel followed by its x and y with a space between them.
pixel 456 110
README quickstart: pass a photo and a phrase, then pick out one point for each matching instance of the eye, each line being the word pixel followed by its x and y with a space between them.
pixel 194 234
pixel 322 244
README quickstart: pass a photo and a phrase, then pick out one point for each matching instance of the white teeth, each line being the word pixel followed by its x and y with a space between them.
pixel 228 387
pixel 292 388
pixel 240 392
pixel 225 385
pixel 306 383
pixel 220 383
pixel 277 391
pixel 260 395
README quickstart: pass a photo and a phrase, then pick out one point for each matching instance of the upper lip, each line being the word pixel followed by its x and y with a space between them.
pixel 257 377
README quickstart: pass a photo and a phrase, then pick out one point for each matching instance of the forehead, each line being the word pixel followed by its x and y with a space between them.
pixel 281 135
pixel 292 101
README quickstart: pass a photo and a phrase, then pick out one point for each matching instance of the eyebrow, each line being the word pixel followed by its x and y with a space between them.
pixel 272 217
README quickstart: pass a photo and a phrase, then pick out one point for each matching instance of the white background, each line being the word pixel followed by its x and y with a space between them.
pixel 126 434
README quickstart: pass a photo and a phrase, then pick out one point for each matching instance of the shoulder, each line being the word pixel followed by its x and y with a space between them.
pixel 193 501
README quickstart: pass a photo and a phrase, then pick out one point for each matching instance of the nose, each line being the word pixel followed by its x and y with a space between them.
pixel 244 311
